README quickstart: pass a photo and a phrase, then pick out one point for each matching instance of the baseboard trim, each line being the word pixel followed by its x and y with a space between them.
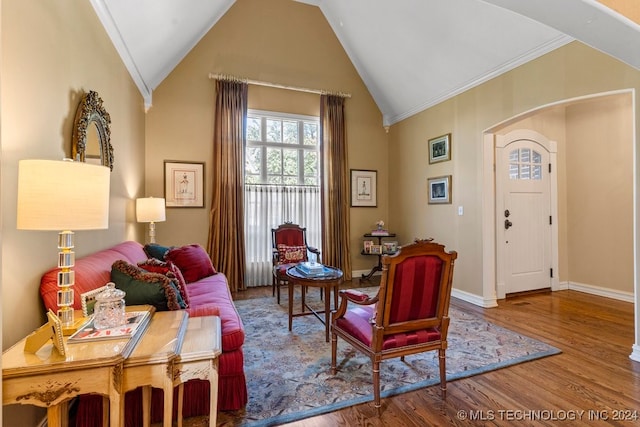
pixel 600 291
pixel 635 353
pixel 474 299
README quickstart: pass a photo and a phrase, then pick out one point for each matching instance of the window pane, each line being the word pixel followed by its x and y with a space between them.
pixel 290 180
pixel 525 171
pixel 537 172
pixel 513 171
pixel 290 130
pixel 290 162
pixel 310 134
pixel 253 160
pixel 274 130
pixel 252 179
pixel 525 155
pixel 310 163
pixel 274 161
pixel 308 180
pixel 254 130
pixel 274 179
pixel 537 158
pixel 514 156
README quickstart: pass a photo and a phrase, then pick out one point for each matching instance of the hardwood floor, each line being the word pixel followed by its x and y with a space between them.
pixel 593 382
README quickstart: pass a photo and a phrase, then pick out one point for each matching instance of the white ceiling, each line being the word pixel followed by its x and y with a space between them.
pixel 411 54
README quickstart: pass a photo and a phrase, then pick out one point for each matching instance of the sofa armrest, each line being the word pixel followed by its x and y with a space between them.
pixel 204 310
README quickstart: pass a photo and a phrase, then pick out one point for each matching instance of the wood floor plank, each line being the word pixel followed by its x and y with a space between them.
pixel 593 374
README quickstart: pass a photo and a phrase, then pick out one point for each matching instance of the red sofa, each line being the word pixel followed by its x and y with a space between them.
pixel 206 296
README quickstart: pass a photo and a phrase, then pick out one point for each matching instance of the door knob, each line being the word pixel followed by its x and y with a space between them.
pixel 507 224
pixel 507 213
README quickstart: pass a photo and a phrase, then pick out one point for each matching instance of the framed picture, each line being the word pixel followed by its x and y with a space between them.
pixel 363 188
pixel 367 246
pixel 440 149
pixel 439 190
pixel 183 184
pixel 88 300
pixel 376 249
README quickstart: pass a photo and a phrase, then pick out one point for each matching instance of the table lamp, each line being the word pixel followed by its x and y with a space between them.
pixel 63 195
pixel 151 210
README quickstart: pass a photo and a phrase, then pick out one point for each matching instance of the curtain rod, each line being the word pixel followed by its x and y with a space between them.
pixel 277 85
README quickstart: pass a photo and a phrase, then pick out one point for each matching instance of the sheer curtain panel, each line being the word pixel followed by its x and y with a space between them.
pixel 266 207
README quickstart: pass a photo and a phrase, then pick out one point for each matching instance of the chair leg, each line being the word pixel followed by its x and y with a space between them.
pixel 376 384
pixel 443 372
pixel 334 352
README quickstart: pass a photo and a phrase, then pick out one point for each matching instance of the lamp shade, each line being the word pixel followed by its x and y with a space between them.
pixel 62 195
pixel 150 209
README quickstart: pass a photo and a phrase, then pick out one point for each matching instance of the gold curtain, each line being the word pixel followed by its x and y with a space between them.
pixel 226 217
pixel 336 247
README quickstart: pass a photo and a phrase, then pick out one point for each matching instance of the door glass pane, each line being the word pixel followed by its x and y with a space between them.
pixel 513 171
pixel 537 157
pixel 525 155
pixel 525 171
pixel 537 172
pixel 514 156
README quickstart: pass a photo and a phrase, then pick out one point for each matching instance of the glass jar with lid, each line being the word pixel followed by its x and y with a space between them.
pixel 109 308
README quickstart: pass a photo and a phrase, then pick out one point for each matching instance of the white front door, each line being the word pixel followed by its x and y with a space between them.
pixel 523 212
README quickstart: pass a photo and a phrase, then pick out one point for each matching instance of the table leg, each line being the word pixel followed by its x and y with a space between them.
pixel 167 418
pixel 290 284
pixel 146 406
pixel 180 403
pixel 327 311
pixel 213 383
pixel 57 415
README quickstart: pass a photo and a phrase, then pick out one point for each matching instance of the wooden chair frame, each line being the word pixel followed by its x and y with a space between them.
pixel 281 279
pixel 382 326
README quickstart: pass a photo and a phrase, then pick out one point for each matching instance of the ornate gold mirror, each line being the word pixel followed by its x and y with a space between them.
pixel 91 132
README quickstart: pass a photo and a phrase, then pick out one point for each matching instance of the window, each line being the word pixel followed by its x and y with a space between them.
pixel 282 183
pixel 525 163
pixel 282 149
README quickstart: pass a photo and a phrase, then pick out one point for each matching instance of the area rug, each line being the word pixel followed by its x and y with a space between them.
pixel 288 376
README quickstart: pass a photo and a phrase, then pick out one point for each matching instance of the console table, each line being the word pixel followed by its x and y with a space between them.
pixel 151 363
pixel 48 379
pixel 378 266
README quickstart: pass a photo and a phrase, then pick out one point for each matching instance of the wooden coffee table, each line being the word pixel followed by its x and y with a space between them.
pixel 329 281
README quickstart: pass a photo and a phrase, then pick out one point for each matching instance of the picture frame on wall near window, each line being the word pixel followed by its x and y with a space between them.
pixel 364 188
pixel 183 184
pixel 440 149
pixel 439 189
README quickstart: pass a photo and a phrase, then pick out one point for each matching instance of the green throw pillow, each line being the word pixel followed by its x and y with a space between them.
pixel 142 287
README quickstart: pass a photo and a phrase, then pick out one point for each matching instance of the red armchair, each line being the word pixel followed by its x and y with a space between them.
pixel 409 314
pixel 289 247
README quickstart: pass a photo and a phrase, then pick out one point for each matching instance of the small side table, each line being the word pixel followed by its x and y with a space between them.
pixel 199 360
pixel 378 266
pixel 329 281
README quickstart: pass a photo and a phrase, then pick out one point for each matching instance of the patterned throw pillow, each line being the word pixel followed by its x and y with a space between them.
pixel 291 254
pixel 142 287
pixel 170 270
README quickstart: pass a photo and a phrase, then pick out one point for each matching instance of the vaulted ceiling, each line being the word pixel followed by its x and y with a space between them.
pixel 411 54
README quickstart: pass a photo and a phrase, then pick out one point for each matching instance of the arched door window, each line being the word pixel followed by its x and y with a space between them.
pixel 525 163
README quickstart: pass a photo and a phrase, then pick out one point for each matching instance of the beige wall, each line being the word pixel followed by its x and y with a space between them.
pixel 572 71
pixel 278 41
pixel 52 52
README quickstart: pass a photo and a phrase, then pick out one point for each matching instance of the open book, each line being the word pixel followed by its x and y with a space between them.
pixel 134 320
